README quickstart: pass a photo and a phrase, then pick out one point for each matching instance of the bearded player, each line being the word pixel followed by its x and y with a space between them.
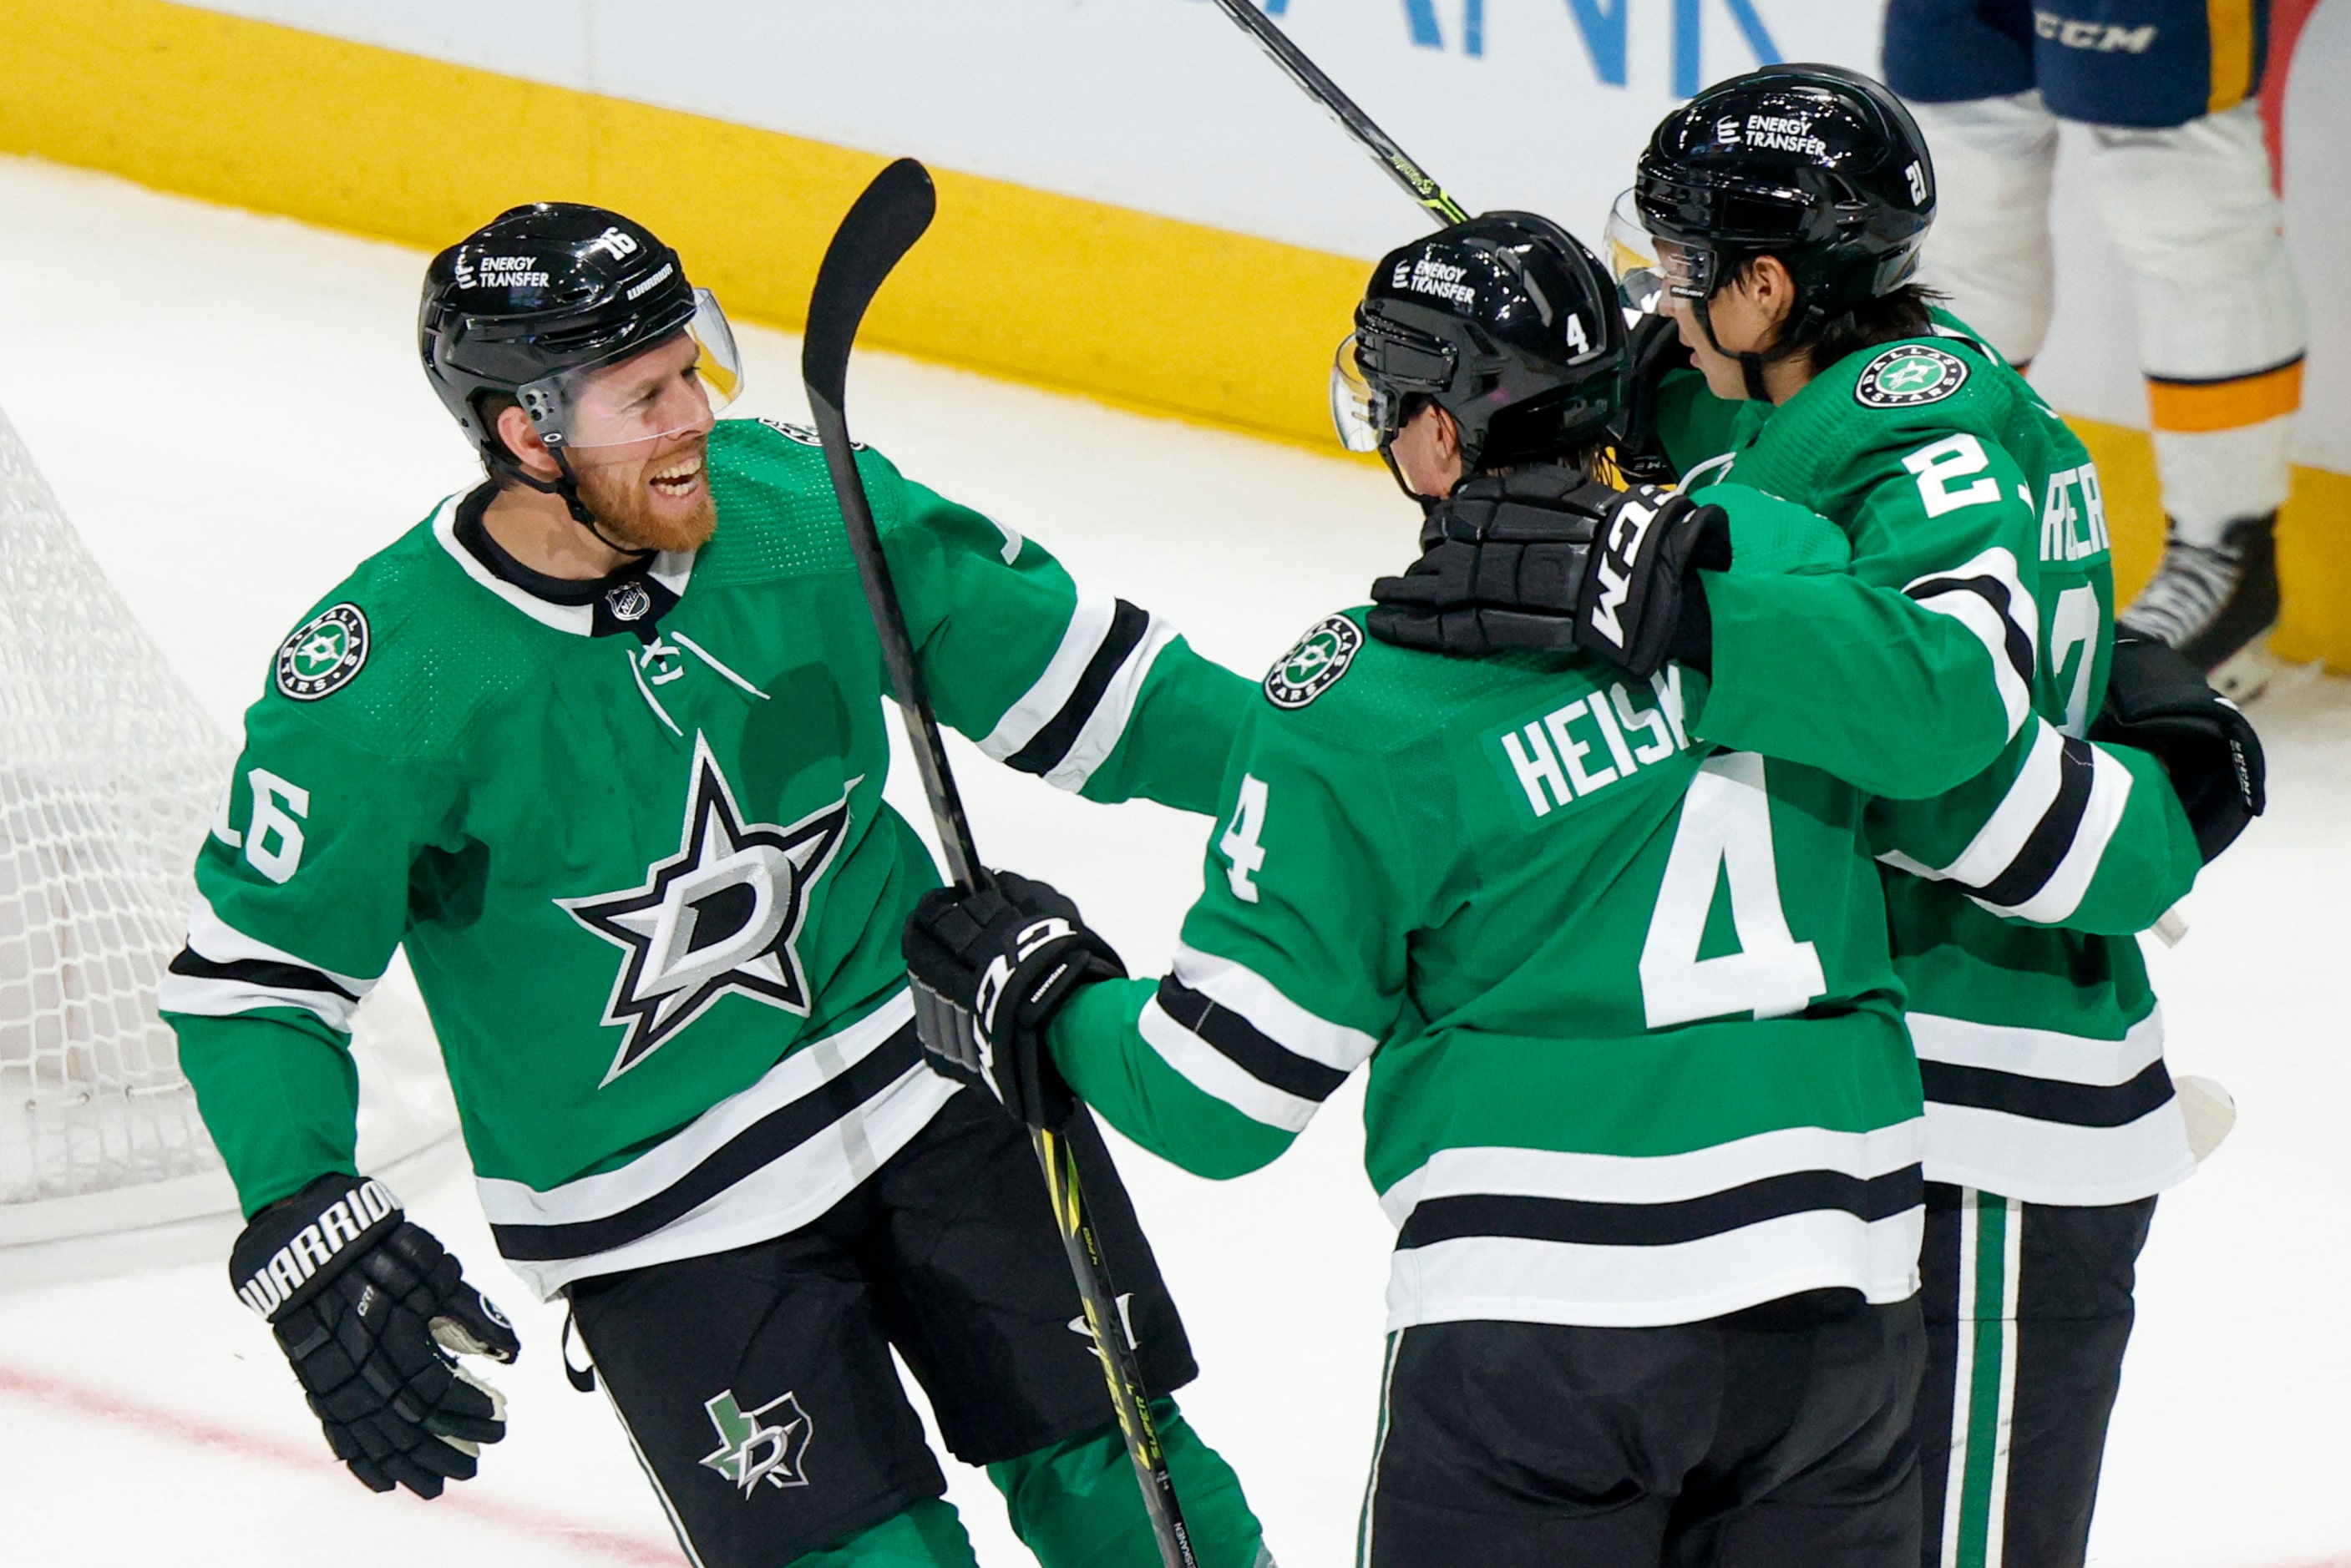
pixel 599 743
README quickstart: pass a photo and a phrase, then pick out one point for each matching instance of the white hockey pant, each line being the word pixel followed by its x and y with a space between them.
pixel 2191 213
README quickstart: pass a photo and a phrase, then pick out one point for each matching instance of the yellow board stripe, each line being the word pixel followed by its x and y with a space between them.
pixel 2230 26
pixel 1139 309
pixel 2192 407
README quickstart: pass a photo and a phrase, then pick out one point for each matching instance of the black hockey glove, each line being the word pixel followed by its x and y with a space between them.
pixel 1641 603
pixel 2159 702
pixel 1654 351
pixel 991 968
pixel 368 1307
pixel 1501 559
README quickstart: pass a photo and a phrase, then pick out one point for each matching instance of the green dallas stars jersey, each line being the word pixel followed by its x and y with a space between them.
pixel 632 836
pixel 2041 1048
pixel 1634 1041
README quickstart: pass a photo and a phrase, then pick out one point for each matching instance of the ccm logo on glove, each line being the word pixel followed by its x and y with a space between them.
pixel 1621 547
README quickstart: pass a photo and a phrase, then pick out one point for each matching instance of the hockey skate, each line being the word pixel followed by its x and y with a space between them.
pixel 2217 603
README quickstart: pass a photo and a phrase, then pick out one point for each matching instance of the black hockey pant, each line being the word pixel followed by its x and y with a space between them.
pixel 2028 1309
pixel 1775 1437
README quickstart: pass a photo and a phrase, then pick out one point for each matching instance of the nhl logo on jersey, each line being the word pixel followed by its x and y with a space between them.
pixel 1311 668
pixel 1909 374
pixel 324 653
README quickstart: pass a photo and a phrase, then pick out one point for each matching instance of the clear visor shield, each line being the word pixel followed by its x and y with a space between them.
pixel 1359 409
pixel 676 387
pixel 1648 268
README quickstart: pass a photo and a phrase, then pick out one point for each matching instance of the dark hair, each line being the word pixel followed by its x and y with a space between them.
pixel 1886 319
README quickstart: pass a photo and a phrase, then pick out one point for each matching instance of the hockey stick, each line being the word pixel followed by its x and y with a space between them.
pixel 880 229
pixel 1423 190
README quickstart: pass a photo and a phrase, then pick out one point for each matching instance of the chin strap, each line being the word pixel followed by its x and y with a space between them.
pixel 566 485
pixel 1751 363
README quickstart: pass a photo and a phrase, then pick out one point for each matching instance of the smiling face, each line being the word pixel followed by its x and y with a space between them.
pixel 638 442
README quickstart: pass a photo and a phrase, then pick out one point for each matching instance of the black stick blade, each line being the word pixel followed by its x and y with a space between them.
pixel 881 227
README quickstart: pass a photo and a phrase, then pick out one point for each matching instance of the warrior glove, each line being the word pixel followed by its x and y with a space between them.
pixel 2159 702
pixel 369 1308
pixel 1641 603
pixel 990 966
pixel 1501 561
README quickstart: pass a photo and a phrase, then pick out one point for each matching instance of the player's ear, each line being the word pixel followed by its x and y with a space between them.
pixel 521 438
pixel 1773 288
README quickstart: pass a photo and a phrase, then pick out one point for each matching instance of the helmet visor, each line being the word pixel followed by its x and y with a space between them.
pixel 1649 268
pixel 674 387
pixel 1361 411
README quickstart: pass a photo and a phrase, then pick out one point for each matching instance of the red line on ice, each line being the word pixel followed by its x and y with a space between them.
pixel 81 1399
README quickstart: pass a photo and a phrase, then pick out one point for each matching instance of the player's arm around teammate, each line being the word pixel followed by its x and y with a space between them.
pixel 1644 1171
pixel 600 745
pixel 1783 211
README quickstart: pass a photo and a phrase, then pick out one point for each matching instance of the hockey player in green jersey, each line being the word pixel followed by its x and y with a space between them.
pixel 598 744
pixel 1640 1102
pixel 1774 226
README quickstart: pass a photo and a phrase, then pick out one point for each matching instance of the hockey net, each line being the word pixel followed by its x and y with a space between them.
pixel 109 772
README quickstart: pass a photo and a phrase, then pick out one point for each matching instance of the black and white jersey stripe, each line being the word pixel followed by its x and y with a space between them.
pixel 221 973
pixel 759 1163
pixel 2036 854
pixel 1989 598
pixel 2047 1116
pixel 1071 717
pixel 1233 1035
pixel 1545 1236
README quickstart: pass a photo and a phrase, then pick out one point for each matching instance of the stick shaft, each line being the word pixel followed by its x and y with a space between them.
pixel 1424 190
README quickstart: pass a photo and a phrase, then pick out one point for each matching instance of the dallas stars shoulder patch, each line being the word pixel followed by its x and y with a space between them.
pixel 324 653
pixel 720 917
pixel 1907 375
pixel 1314 666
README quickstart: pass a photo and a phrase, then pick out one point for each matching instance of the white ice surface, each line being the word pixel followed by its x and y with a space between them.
pixel 230 409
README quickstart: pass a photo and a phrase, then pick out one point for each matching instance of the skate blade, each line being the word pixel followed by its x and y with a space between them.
pixel 2253 672
pixel 2209 1111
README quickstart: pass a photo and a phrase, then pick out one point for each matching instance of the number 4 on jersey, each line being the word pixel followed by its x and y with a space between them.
pixel 1239 845
pixel 1724 835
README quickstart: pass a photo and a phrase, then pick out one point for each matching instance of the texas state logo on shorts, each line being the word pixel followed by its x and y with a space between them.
pixel 1309 669
pixel 1909 374
pixel 324 653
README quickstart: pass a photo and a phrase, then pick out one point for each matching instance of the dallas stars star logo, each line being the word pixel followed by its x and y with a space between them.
pixel 722 915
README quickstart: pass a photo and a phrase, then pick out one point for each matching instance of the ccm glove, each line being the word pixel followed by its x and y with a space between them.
pixel 991 968
pixel 2159 702
pixel 1501 560
pixel 369 1308
pixel 1640 603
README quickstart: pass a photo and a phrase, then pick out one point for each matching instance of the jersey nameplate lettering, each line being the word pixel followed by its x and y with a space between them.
pixel 1907 375
pixel 1314 666
pixel 323 654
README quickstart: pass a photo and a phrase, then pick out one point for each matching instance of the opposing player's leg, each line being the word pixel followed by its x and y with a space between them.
pixel 758 1389
pixel 974 1290
pixel 2029 1311
pixel 1965 68
pixel 1988 251
pixel 2181 180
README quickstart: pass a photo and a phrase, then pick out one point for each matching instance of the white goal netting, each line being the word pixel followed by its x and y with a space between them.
pixel 108 775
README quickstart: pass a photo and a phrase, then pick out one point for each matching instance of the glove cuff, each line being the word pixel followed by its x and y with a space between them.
pixel 291 1249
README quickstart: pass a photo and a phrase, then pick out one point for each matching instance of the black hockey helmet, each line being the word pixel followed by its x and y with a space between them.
pixel 532 301
pixel 1505 322
pixel 1817 165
